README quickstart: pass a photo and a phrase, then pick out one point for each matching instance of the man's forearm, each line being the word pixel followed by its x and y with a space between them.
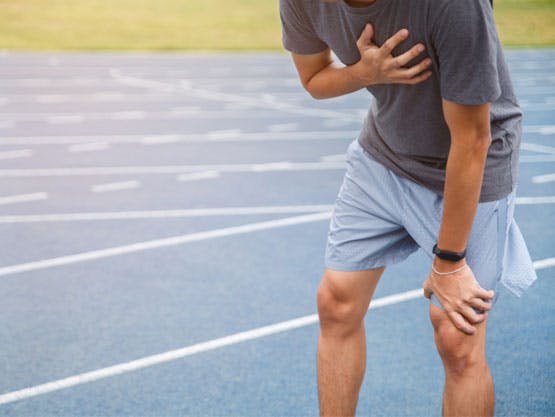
pixel 463 182
pixel 333 81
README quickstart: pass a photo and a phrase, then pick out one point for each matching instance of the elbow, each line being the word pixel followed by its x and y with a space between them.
pixel 314 92
pixel 314 87
pixel 476 143
pixel 316 95
pixel 481 142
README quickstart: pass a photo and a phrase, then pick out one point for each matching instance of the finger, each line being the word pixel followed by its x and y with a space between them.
pixel 365 38
pixel 408 56
pixel 479 292
pixel 427 291
pixel 390 44
pixel 460 323
pixel 415 80
pixel 416 69
pixel 480 304
pixel 472 316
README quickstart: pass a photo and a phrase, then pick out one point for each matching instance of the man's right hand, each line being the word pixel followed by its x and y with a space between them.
pixel 378 66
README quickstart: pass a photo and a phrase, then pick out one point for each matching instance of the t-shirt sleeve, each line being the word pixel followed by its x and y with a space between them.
pixel 298 34
pixel 466 45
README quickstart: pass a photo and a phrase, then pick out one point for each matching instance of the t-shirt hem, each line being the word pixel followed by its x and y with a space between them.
pixel 487 98
pixel 303 51
pixel 486 195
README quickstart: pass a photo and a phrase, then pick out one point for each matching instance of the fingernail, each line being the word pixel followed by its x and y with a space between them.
pixel 404 32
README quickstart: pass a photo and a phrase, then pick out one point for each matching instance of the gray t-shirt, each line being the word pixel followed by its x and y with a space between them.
pixel 405 129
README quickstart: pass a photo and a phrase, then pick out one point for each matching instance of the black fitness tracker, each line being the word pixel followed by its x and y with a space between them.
pixel 448 255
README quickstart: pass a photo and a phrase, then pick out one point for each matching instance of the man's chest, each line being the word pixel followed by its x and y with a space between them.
pixel 341 31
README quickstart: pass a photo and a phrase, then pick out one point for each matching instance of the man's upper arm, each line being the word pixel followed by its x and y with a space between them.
pixel 467 47
pixel 468 122
pixel 310 65
pixel 297 28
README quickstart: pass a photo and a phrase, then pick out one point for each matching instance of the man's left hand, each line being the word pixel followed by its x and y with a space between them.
pixel 459 294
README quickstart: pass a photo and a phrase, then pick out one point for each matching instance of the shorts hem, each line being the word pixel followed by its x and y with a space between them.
pixel 373 264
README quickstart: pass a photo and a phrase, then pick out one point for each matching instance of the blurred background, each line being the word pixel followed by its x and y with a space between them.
pixel 201 24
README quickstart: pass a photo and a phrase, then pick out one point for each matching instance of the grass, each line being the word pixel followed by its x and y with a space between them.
pixel 526 22
pixel 201 24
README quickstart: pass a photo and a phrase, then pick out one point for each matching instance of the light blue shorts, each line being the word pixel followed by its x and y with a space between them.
pixel 380 218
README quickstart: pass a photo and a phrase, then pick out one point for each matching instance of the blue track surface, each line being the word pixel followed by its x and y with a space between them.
pixel 244 134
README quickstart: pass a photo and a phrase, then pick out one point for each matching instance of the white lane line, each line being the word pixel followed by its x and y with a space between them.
pixel 172 169
pixel 195 176
pixel 229 340
pixel 272 166
pixel 181 353
pixel 203 212
pixel 266 102
pixel 174 137
pixel 115 186
pixel 161 214
pixel 537 158
pixel 283 127
pixel 334 123
pixel 527 146
pixel 538 108
pixel 544 263
pixel 116 74
pixel 65 119
pixel 333 158
pixel 224 134
pixel 206 114
pixel 159 243
pixel 88 147
pixel 128 115
pixel 536 200
pixel 281 79
pixel 23 198
pixel 101 96
pixel 540 179
pixel 159 139
pixel 541 129
pixel 19 153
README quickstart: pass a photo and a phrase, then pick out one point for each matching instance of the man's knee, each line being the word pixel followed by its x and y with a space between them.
pixel 337 315
pixel 341 310
pixel 461 353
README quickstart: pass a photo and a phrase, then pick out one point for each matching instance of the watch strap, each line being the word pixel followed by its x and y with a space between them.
pixel 448 255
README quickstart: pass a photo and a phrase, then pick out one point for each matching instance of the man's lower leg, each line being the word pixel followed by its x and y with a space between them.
pixel 341 366
pixel 469 392
pixel 468 382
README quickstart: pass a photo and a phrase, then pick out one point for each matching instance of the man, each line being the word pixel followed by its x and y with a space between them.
pixel 434 167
